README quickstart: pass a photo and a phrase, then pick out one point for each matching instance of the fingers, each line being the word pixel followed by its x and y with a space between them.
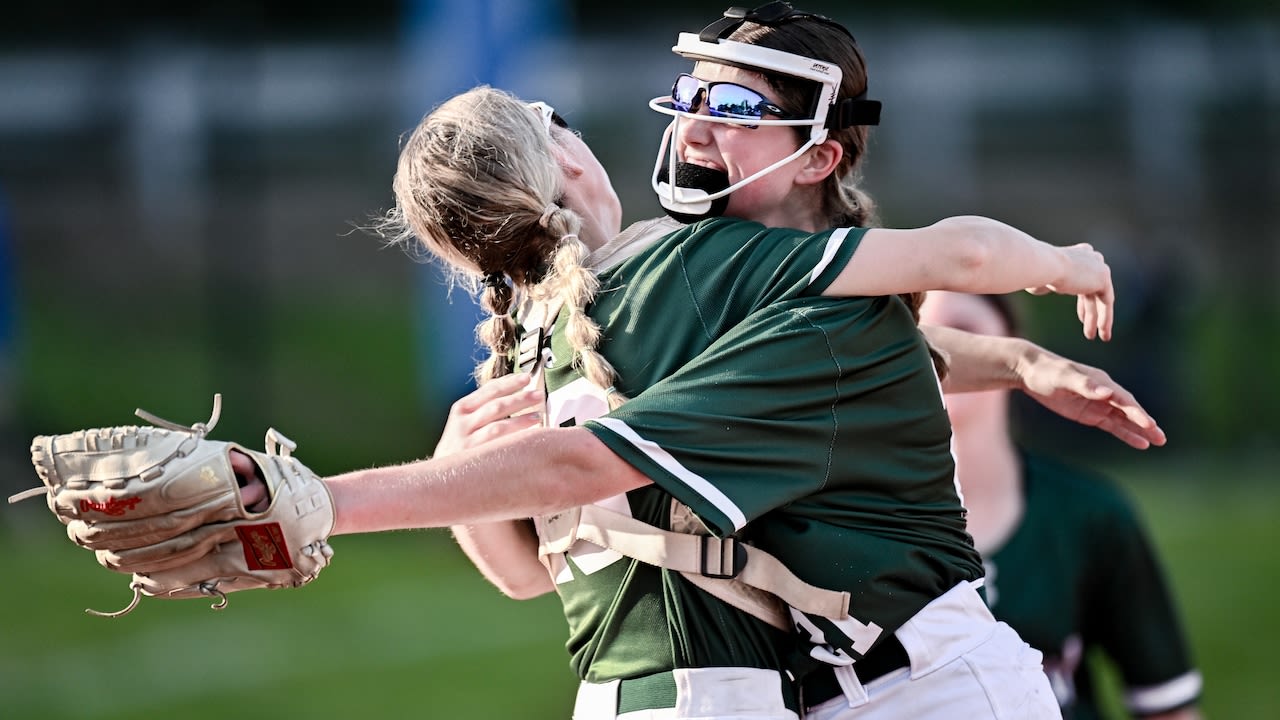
pixel 1129 421
pixel 1136 433
pixel 497 399
pixel 242 465
pixel 1125 433
pixel 1086 316
pixel 486 413
pixel 1110 299
pixel 497 388
pixel 254 496
pixel 505 426
pixel 253 489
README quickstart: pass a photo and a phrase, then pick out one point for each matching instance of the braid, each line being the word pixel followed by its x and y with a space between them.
pixel 571 281
pixel 498 332
pixel 479 186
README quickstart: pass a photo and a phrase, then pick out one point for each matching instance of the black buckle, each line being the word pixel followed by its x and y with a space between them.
pixel 735 16
pixel 718 554
pixel 769 14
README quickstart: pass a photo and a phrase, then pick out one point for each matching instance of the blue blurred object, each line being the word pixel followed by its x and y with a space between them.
pixel 7 314
pixel 451 46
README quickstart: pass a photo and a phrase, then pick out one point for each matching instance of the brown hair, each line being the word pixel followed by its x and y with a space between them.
pixel 479 186
pixel 844 203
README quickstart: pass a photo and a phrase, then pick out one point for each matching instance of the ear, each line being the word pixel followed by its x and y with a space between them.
pixel 568 166
pixel 819 162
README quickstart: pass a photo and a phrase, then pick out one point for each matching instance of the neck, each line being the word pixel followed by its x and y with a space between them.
pixel 990 476
pixel 593 234
pixel 801 209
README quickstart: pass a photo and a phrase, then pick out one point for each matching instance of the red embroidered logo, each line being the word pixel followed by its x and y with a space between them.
pixel 111 506
pixel 264 547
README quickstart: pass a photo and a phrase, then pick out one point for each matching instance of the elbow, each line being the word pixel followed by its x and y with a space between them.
pixel 526 590
pixel 972 250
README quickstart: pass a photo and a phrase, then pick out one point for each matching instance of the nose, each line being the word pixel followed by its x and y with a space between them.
pixel 694 132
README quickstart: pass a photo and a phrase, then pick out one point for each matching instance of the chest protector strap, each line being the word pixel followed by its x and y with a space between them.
pixel 740 574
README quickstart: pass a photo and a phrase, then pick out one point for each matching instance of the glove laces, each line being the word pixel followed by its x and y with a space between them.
pixel 196 430
pixel 205 588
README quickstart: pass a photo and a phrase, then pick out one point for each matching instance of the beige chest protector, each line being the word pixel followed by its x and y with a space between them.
pixel 739 574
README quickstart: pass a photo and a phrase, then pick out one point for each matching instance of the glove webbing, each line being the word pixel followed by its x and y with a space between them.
pixel 197 431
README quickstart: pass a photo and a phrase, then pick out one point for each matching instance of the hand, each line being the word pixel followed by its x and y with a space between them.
pixel 501 407
pixel 253 489
pixel 1088 396
pixel 1088 278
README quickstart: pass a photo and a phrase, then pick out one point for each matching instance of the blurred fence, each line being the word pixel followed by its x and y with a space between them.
pixel 214 189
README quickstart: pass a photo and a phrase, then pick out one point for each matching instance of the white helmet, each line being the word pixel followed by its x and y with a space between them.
pixel 699 191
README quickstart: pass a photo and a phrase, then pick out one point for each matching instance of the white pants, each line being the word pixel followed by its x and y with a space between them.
pixel 964 664
pixel 725 693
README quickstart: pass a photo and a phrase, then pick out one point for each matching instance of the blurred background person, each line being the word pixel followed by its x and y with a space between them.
pixel 1069 564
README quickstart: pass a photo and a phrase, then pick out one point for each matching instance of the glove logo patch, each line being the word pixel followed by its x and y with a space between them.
pixel 264 547
pixel 112 506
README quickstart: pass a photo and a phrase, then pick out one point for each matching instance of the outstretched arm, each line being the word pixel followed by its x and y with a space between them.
pixel 979 255
pixel 536 472
pixel 1077 392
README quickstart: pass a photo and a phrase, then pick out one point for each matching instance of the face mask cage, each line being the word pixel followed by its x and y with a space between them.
pixel 687 203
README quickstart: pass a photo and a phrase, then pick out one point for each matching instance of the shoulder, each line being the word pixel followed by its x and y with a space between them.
pixel 722 227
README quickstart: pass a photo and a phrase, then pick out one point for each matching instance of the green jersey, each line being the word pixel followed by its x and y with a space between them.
pixel 813 427
pixel 1079 573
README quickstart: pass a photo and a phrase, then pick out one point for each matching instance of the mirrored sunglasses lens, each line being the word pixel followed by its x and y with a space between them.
pixel 729 100
pixel 684 92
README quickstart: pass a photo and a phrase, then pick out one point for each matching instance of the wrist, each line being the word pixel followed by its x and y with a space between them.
pixel 1024 357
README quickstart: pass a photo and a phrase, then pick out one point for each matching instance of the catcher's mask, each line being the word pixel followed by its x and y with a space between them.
pixel 699 192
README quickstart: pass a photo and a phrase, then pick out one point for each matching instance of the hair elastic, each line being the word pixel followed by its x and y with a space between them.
pixel 547 212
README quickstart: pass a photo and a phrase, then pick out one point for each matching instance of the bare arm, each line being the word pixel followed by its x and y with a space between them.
pixel 506 552
pixel 536 472
pixel 1077 392
pixel 979 255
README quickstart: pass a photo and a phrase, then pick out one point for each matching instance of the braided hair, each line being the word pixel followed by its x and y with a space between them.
pixel 478 185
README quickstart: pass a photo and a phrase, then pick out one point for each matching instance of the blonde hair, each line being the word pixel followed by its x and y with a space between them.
pixel 478 185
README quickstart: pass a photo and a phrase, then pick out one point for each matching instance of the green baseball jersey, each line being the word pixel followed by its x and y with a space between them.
pixel 813 427
pixel 1079 573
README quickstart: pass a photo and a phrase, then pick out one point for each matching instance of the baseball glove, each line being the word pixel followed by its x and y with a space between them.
pixel 163 504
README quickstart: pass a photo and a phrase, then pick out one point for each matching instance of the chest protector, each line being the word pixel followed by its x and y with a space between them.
pixel 729 569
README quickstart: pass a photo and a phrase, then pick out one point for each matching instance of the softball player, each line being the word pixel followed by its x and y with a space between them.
pixel 1068 563
pixel 740 305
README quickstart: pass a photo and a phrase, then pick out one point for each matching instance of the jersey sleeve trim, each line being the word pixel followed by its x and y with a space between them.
pixel 667 462
pixel 1176 693
pixel 829 253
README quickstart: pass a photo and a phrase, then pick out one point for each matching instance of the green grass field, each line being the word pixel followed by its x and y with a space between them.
pixel 400 626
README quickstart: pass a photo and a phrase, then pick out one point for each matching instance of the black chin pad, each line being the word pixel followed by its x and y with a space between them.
pixel 696 177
